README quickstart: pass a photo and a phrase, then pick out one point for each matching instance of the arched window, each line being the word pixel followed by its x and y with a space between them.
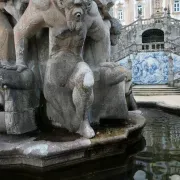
pixel 153 35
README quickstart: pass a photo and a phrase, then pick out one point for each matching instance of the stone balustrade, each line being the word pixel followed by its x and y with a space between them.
pixel 130 40
pixel 151 21
pixel 146 47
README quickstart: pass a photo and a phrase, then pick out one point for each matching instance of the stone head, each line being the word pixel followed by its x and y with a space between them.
pixel 75 11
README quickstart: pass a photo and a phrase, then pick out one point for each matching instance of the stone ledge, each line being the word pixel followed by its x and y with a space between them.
pixel 161 105
pixel 44 154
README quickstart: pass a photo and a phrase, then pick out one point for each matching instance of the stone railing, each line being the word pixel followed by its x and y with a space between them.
pixel 175 41
pixel 152 46
pixel 174 21
pixel 152 21
pixel 146 47
pixel 130 26
pixel 127 42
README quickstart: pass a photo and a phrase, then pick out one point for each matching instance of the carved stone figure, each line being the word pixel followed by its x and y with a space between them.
pixel 7 9
pixel 10 12
pixel 7 51
pixel 77 29
pixel 19 99
pixel 68 80
pixel 60 77
pixel 112 90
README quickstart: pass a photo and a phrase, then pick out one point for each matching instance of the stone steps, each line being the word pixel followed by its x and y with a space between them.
pixel 155 90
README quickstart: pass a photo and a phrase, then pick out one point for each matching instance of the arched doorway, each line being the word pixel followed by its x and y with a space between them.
pixel 153 39
pixel 153 35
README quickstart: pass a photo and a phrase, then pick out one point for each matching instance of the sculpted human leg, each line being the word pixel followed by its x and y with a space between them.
pixel 131 102
pixel 81 82
pixel 7 49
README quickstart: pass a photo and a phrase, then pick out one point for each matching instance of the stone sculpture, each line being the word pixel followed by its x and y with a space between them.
pixel 112 90
pixel 67 77
pixel 78 68
pixel 10 12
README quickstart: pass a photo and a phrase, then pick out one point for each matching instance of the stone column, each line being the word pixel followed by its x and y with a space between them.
pixel 20 102
pixel 7 49
pixel 130 64
pixel 19 111
pixel 170 72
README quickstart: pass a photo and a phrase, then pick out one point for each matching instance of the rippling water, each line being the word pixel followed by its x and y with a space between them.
pixel 160 159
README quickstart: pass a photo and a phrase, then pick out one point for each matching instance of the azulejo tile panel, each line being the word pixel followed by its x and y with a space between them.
pixel 176 66
pixel 148 68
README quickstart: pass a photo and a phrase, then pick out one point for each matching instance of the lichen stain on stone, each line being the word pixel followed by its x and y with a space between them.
pixel 108 132
pixel 41 149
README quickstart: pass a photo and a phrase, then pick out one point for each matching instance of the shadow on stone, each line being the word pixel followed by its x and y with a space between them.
pixel 58 135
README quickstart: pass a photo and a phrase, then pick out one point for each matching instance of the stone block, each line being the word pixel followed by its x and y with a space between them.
pixel 20 100
pixel 2 122
pixel 20 122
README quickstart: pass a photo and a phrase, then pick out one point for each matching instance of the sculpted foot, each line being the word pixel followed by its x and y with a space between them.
pixel 21 68
pixel 9 67
pixel 86 130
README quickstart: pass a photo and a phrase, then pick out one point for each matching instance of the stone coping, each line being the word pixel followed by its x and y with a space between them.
pixel 161 105
pixel 44 154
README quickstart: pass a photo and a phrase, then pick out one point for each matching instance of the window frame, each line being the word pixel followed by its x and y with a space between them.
pixel 140 6
pixel 176 6
pixel 120 14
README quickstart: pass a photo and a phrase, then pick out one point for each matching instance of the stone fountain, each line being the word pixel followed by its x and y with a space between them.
pixel 56 73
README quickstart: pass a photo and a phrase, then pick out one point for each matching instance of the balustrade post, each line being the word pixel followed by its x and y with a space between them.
pixel 140 23
pixel 170 72
pixel 130 64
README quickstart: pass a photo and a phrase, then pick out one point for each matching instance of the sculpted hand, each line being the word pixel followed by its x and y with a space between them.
pixel 21 68
pixel 111 73
pixel 14 80
pixel 18 68
pixel 109 64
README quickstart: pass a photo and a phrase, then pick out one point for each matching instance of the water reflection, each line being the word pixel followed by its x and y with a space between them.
pixel 160 159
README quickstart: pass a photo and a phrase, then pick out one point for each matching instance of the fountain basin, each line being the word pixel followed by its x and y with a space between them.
pixel 49 151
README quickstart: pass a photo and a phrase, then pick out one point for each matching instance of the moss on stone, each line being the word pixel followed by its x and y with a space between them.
pixel 108 132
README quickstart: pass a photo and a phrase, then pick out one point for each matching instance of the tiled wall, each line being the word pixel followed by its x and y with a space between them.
pixel 176 66
pixel 152 67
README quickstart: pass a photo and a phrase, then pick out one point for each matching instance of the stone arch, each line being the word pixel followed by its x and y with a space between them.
pixel 153 35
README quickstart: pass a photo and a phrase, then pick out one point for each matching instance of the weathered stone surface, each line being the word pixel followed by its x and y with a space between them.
pixel 15 80
pixel 112 81
pixel 49 150
pixel 2 122
pixel 77 79
pixel 20 122
pixel 20 100
pixel 7 50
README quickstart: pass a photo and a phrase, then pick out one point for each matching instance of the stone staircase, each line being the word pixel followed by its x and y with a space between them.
pixel 155 90
pixel 130 44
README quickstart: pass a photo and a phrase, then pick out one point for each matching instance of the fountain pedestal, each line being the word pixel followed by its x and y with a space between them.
pixel 56 149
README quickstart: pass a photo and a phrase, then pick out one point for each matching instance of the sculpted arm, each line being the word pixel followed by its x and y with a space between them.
pixel 31 21
pixel 97 31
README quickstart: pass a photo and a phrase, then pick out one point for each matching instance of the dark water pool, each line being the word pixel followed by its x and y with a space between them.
pixel 158 159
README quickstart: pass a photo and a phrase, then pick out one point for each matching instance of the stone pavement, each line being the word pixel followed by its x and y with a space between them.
pixel 172 100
